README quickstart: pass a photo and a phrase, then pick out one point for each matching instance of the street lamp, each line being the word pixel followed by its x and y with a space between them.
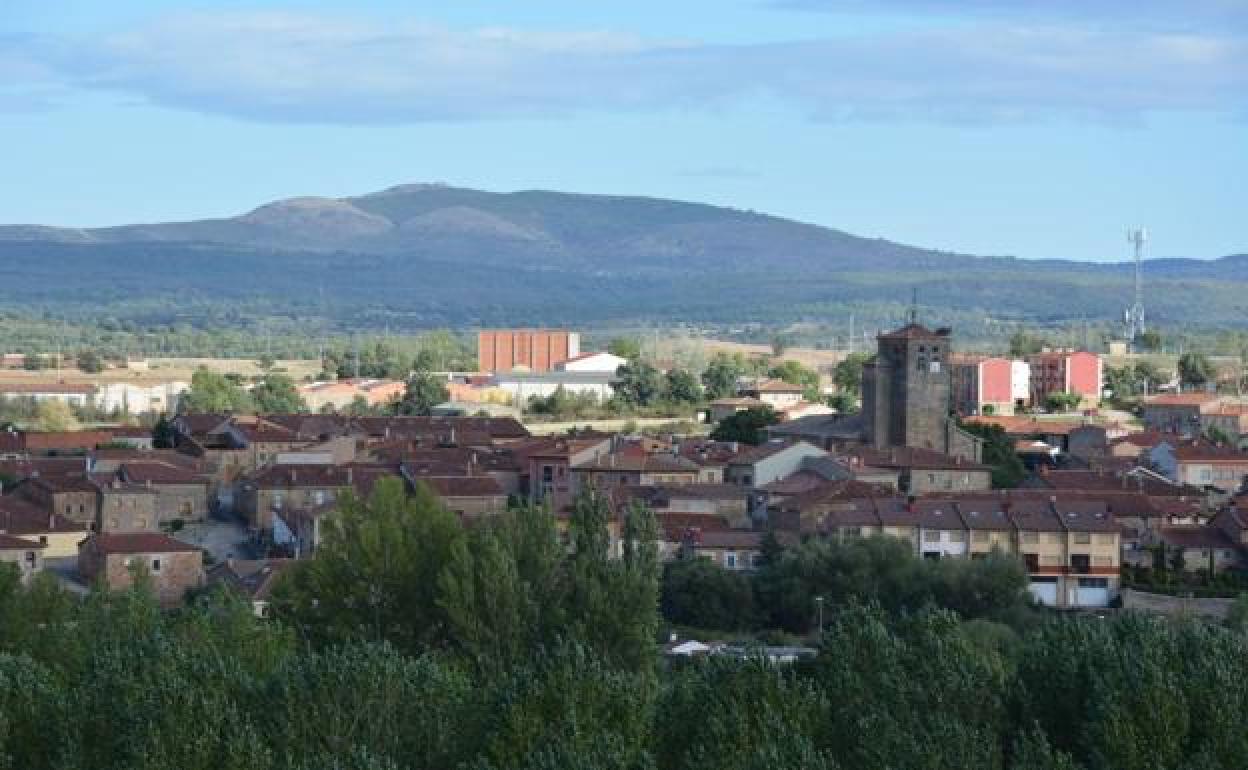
pixel 819 604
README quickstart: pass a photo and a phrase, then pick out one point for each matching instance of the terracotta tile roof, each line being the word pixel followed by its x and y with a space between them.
pixel 833 492
pixel 938 514
pixel 20 517
pixel 774 386
pixel 11 543
pixel 1207 453
pixel 1195 537
pixel 715 538
pixel 710 453
pixel 362 477
pixel 159 473
pixel 1086 516
pixel 984 514
pixel 78 439
pixel 1027 426
pixel 1034 516
pixel 137 542
pixel 797 483
pixel 652 463
pixel 462 486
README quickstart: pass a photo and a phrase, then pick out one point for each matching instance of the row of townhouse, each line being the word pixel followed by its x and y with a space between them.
pixel 1071 548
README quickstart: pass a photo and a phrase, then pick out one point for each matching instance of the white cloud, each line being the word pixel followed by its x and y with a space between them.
pixel 310 68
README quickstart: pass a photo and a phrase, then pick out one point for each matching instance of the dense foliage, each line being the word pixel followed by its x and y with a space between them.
pixel 411 642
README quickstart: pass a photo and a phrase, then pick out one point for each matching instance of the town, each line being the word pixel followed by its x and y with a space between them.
pixel 732 385
pixel 1098 504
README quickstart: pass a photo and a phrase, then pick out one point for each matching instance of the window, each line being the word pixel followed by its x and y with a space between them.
pixel 979 537
pixel 931 536
pixel 114 522
pixel 548 474
pixel 69 509
pixel 1105 539
pixel 82 508
pixel 730 559
pixel 140 523
pixel 1054 537
pixel 756 559
pixel 1093 582
pixel 852 531
pixel 155 564
pixel 31 556
pixel 1032 561
pixel 43 540
pixel 1083 538
pixel 1030 537
pixel 1080 563
pixel 931 555
pixel 957 536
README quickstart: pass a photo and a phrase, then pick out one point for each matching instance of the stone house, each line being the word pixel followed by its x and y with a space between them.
pixel 173 567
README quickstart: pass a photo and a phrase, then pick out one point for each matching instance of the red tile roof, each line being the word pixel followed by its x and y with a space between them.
pixel 11 543
pixel 462 486
pixel 137 542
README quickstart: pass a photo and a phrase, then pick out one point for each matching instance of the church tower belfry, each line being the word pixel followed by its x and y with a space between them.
pixel 906 390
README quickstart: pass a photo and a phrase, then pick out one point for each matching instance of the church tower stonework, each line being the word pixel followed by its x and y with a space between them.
pixel 906 394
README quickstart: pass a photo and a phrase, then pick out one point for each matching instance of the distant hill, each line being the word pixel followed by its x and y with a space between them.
pixel 432 254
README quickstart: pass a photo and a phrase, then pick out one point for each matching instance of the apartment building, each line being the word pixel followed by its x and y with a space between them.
pixel 1071 548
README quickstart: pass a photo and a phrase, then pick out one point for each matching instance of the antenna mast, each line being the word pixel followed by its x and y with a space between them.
pixel 1135 314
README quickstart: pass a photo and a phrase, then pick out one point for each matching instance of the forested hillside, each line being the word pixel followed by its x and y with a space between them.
pixel 418 256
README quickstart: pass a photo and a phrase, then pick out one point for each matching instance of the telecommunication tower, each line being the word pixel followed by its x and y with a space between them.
pixel 1134 315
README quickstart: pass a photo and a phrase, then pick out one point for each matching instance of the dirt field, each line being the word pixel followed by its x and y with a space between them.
pixel 822 361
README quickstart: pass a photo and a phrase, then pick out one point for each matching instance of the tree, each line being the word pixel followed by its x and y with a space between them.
pixel 375 577
pixel 1024 344
pixel 779 344
pixel 625 347
pixel 746 426
pixel 163 434
pixel 848 373
pixel 843 403
pixel 212 392
pixel 55 416
pixel 721 374
pixel 1062 402
pixel 638 383
pixel 697 592
pixel 33 362
pixel 612 602
pixel 683 387
pixel 424 391
pixel 1007 468
pixel 1195 369
pixel 277 394
pixel 794 373
pixel 266 362
pixel 90 361
pixel 1149 341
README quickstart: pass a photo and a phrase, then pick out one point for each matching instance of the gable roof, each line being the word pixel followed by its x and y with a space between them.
pixel 255 578
pixel 136 542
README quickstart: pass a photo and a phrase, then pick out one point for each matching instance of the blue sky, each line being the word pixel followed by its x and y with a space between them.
pixel 1040 129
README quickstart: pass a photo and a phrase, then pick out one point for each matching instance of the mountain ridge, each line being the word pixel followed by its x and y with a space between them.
pixel 457 255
